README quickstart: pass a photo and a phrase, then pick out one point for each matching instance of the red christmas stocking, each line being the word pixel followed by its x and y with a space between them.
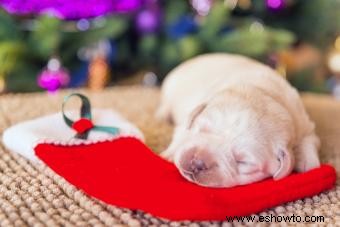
pixel 124 172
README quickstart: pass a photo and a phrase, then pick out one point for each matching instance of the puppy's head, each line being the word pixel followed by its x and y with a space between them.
pixel 228 148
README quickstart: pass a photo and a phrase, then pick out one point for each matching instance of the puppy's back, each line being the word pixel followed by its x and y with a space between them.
pixel 196 80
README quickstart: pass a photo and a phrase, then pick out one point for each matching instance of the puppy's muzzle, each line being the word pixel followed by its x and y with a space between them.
pixel 195 163
pixel 194 168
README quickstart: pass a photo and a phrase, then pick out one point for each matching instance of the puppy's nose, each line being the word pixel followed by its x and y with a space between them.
pixel 197 165
pixel 195 162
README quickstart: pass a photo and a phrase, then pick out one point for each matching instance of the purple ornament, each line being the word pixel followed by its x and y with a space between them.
pixel 53 77
pixel 275 4
pixel 70 10
pixel 147 21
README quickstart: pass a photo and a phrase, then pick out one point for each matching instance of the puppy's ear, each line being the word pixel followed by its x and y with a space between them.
pixel 195 113
pixel 286 164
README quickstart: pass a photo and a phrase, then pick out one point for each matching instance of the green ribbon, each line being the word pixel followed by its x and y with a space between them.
pixel 85 112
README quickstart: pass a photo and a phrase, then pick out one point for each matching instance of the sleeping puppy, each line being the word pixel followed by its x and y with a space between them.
pixel 237 122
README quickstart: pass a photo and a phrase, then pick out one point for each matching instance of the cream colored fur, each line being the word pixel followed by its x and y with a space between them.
pixel 240 118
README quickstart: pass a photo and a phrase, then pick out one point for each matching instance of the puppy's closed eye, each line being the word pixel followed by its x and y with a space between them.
pixel 245 167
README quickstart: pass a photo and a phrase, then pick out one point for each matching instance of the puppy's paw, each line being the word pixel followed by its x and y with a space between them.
pixel 168 155
pixel 307 156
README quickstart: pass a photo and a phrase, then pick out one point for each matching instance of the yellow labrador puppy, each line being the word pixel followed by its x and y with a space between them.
pixel 237 122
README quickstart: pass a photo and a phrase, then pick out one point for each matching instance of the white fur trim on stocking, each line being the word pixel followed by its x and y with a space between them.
pixel 21 138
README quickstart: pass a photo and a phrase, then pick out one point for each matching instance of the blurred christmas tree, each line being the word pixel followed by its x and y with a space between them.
pixel 157 35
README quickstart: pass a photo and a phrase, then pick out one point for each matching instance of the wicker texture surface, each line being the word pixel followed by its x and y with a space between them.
pixel 32 195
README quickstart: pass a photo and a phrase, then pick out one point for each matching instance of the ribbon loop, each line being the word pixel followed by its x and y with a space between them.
pixel 84 125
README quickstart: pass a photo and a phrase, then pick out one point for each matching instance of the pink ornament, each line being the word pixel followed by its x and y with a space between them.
pixel 275 4
pixel 202 7
pixel 53 77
